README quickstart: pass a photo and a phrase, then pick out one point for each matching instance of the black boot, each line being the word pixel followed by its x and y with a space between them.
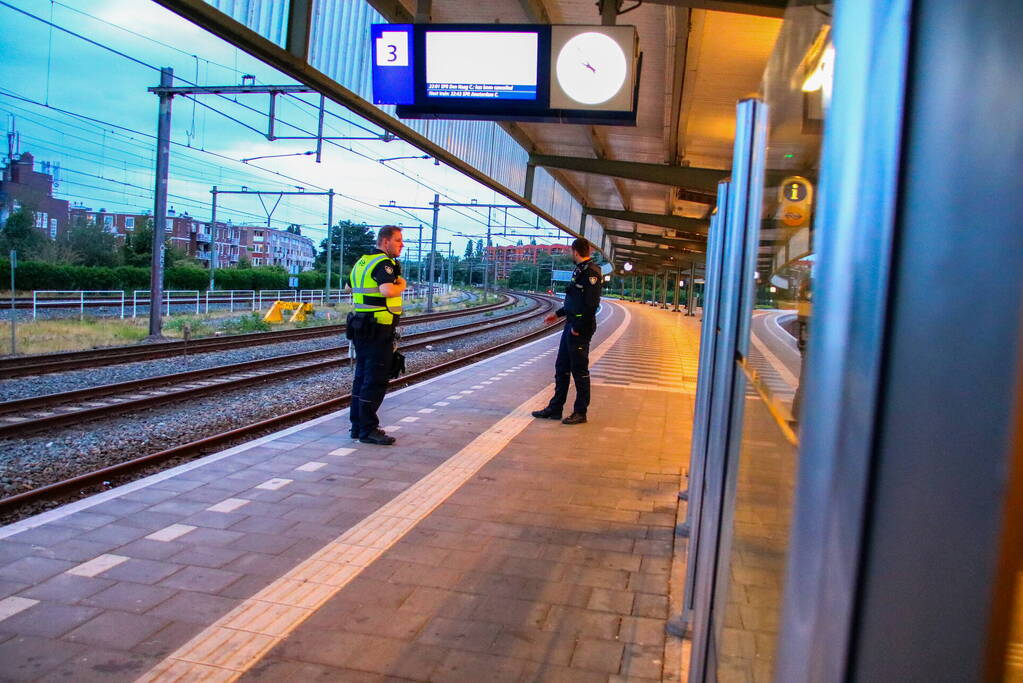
pixel 574 419
pixel 548 414
pixel 378 437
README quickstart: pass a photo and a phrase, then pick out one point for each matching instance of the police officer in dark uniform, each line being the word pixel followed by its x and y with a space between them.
pixel 377 286
pixel 580 313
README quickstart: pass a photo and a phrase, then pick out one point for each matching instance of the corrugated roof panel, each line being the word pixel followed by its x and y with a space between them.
pixel 268 18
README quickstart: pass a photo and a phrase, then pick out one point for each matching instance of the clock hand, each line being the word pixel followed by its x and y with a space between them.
pixel 587 65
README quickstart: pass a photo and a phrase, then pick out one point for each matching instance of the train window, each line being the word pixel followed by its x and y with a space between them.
pixel 796 88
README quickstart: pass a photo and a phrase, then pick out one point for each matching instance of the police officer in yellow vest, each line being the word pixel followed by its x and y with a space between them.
pixel 377 286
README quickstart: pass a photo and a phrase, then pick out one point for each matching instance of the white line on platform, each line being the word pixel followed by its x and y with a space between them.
pixel 228 505
pixel 426 411
pixel 169 533
pixel 237 641
pixel 12 605
pixel 342 452
pixel 97 565
pixel 311 466
pixel 274 484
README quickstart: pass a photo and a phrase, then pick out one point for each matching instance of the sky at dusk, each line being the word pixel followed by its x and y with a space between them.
pixel 87 109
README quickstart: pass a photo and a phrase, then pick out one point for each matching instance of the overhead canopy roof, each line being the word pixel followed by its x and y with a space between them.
pixel 641 194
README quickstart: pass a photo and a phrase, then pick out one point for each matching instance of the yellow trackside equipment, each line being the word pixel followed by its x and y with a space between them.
pixel 300 311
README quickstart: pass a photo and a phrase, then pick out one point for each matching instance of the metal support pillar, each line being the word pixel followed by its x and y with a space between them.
pixel 664 290
pixel 160 204
pixel 330 242
pixel 213 237
pixel 486 262
pixel 677 287
pixel 527 192
pixel 691 302
pixel 433 252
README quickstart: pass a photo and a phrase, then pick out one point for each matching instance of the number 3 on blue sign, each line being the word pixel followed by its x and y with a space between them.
pixel 392 49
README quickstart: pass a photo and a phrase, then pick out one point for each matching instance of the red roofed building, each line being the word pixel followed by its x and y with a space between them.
pixel 505 258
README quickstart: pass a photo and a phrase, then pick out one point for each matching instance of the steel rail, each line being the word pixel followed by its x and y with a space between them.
pixel 144 393
pixel 41 364
pixel 200 446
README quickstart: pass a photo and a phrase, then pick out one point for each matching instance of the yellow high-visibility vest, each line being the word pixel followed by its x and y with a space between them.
pixel 366 291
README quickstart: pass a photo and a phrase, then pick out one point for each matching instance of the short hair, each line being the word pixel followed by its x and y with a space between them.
pixel 581 246
pixel 386 233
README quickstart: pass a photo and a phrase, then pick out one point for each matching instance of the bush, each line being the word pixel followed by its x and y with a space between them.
pixel 186 278
pixel 249 323
pixel 269 277
pixel 38 275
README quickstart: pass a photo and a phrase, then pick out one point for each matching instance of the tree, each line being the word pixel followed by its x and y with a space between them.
pixel 244 261
pixel 138 248
pixel 358 239
pixel 468 256
pixel 20 233
pixel 479 249
pixel 92 245
pixel 294 229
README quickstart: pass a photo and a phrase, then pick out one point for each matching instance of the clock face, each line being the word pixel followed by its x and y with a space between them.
pixel 591 68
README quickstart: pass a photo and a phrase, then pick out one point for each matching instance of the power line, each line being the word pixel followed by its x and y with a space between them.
pixel 150 66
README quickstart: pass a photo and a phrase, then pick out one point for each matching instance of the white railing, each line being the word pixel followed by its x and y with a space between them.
pixel 233 296
pixel 311 295
pixel 171 297
pixel 63 297
pixel 271 295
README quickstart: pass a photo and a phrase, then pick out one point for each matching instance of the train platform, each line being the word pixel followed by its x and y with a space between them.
pixel 484 545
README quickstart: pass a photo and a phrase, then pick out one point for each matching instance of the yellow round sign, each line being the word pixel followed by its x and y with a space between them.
pixel 794 215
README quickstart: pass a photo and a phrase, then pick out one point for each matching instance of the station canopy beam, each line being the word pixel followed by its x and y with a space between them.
pixel 690 225
pixel 700 179
pixel 658 239
pixel 760 8
pixel 665 254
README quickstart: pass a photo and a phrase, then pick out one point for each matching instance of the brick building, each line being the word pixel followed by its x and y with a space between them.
pixel 270 247
pixel 505 258
pixel 21 186
pixel 119 224
pixel 192 236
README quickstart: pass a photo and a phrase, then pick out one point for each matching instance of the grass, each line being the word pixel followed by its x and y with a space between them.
pixel 48 336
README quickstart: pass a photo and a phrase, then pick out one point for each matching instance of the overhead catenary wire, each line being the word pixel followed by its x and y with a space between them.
pixel 476 218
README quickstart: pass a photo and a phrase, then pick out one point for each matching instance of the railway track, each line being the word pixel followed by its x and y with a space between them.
pixel 28 415
pixel 79 485
pixel 41 364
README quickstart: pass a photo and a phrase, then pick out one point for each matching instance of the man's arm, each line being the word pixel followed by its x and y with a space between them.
pixel 394 288
pixel 388 276
pixel 591 292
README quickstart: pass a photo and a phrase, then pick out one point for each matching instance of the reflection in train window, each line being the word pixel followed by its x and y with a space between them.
pixel 797 90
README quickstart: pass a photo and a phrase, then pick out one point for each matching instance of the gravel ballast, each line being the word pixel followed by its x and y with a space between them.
pixel 35 461
pixel 40 385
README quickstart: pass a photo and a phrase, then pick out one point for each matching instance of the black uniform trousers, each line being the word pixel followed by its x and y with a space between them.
pixel 573 361
pixel 374 353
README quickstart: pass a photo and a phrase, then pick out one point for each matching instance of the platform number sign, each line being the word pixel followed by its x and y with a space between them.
pixel 392 48
pixel 392 64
